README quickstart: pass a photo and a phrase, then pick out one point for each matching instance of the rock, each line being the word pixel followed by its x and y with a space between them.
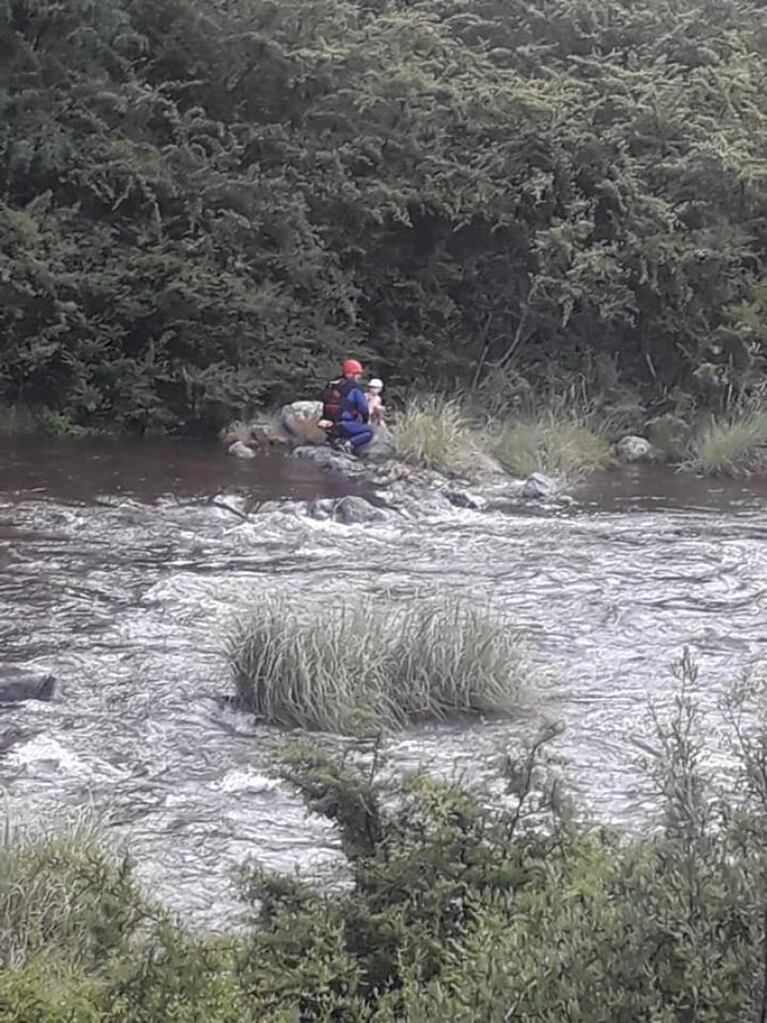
pixel 301 419
pixel 240 450
pixel 670 435
pixel 267 434
pixel 355 511
pixel 17 684
pixel 10 737
pixel 460 498
pixel 351 510
pixel 634 449
pixel 539 487
pixel 346 465
pixel 382 447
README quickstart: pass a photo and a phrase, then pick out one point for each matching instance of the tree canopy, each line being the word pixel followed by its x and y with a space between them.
pixel 205 203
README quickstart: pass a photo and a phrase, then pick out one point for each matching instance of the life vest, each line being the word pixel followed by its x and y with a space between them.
pixel 335 400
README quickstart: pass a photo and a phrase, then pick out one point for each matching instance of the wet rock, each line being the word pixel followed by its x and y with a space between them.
pixel 240 450
pixel 634 449
pixel 351 510
pixel 346 465
pixel 461 498
pixel 10 737
pixel 670 435
pixel 17 684
pixel 300 420
pixel 354 511
pixel 539 487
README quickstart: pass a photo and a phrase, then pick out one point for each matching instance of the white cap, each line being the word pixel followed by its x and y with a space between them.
pixel 376 384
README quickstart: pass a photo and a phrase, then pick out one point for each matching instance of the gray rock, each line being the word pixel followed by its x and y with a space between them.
pixel 351 510
pixel 460 498
pixel 346 465
pixel 382 447
pixel 301 419
pixel 240 450
pixel 634 449
pixel 17 684
pixel 354 511
pixel 539 487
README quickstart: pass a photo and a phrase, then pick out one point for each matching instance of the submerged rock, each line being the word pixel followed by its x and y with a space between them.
pixel 634 449
pixel 17 684
pixel 356 510
pixel 461 498
pixel 351 510
pixel 538 487
pixel 240 450
pixel 346 465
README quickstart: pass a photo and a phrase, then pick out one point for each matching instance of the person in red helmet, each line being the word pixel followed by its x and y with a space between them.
pixel 345 409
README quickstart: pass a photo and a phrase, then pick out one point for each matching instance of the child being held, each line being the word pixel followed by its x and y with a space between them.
pixel 373 398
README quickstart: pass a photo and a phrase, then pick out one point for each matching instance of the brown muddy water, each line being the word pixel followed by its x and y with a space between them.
pixel 120 575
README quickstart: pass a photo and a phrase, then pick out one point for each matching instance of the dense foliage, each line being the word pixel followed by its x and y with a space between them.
pixel 453 905
pixel 204 202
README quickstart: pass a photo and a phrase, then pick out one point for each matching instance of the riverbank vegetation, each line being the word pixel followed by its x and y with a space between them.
pixel 203 206
pixel 366 668
pixel 449 903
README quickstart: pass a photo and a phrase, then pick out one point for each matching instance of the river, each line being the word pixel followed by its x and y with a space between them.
pixel 121 575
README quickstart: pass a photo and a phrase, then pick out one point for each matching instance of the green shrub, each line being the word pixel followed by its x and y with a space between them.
pixel 353 669
pixel 42 995
pixel 730 445
pixel 63 896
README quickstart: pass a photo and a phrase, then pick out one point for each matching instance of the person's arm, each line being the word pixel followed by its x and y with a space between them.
pixel 357 398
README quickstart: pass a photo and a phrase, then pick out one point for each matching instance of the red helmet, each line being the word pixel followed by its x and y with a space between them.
pixel 351 367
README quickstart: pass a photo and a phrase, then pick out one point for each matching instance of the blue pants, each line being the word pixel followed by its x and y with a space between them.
pixel 356 433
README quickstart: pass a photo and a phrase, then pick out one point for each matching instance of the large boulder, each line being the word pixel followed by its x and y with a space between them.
pixel 301 421
pixel 634 449
pixel 539 487
pixel 382 446
pixel 670 435
pixel 17 684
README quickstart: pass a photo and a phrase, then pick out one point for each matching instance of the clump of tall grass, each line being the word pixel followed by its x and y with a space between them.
pixel 18 420
pixel 63 896
pixel 557 442
pixel 730 445
pixel 370 667
pixel 435 433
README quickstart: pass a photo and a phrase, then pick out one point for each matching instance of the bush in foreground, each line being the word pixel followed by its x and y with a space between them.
pixel 468 904
pixel 374 666
pixel 63 891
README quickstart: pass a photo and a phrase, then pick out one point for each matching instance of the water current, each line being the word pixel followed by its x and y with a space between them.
pixel 120 574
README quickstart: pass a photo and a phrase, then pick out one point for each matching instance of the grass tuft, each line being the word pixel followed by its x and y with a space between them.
pixel 730 446
pixel 371 667
pixel 62 896
pixel 435 433
pixel 562 444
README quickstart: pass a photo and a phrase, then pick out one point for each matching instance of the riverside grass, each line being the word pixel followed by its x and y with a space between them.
pixel 361 669
pixel 442 434
pixel 732 446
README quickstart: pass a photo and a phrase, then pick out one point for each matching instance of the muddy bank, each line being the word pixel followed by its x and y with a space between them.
pixel 119 575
